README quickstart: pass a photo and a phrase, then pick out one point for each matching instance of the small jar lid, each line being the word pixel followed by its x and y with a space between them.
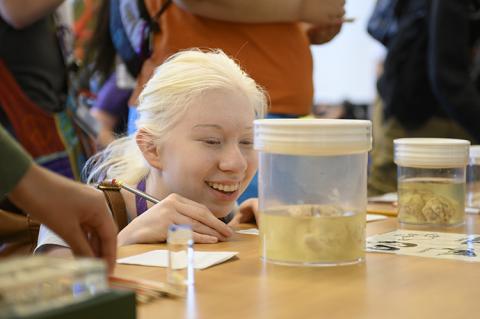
pixel 313 136
pixel 431 152
pixel 475 154
pixel 179 234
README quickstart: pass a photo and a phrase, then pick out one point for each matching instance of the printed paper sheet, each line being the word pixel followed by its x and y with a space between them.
pixel 427 244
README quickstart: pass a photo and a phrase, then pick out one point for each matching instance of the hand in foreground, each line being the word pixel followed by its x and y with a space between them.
pixel 322 12
pixel 152 225
pixel 107 124
pixel 247 213
pixel 319 34
pixel 76 212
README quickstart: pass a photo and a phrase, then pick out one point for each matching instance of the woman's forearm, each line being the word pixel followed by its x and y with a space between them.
pixel 22 13
pixel 266 11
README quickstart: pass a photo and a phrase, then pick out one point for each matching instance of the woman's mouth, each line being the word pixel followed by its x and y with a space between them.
pixel 224 188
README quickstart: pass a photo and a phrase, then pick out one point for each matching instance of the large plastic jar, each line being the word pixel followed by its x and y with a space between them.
pixel 431 180
pixel 312 190
pixel 473 177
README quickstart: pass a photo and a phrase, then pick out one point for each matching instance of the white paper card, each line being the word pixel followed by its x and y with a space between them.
pixel 159 258
pixel 427 244
pixel 472 210
pixel 373 217
pixel 250 231
pixel 385 198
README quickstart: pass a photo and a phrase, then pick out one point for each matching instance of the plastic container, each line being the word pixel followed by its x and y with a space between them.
pixel 34 284
pixel 312 190
pixel 473 177
pixel 180 271
pixel 431 180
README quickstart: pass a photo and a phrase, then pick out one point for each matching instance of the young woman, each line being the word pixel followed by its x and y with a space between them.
pixel 193 149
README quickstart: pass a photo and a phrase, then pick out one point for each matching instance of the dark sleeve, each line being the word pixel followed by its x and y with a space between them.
pixel 450 65
pixel 14 163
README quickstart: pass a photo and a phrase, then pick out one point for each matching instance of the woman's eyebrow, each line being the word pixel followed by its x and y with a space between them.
pixel 216 126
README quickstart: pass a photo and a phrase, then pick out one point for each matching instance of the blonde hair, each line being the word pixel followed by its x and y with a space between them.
pixel 163 102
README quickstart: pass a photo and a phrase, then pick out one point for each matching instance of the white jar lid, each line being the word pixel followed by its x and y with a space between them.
pixel 431 152
pixel 313 136
pixel 475 154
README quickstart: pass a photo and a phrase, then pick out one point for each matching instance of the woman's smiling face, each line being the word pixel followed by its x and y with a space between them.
pixel 208 156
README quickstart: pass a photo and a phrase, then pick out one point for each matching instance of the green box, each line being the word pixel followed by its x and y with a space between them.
pixel 118 304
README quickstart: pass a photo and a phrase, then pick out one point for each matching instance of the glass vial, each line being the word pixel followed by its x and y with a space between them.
pixel 180 271
pixel 473 177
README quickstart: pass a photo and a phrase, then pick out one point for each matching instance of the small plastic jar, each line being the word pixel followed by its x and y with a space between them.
pixel 473 177
pixel 431 180
pixel 312 190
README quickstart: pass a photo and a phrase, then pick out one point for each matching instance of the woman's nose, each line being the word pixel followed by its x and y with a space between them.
pixel 233 159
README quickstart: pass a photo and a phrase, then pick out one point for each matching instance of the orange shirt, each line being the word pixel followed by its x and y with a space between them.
pixel 276 55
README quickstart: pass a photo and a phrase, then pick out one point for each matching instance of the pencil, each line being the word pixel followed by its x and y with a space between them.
pixel 387 209
pixel 147 290
pixel 135 191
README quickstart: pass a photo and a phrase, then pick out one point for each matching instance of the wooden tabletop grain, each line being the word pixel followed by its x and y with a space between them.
pixel 384 286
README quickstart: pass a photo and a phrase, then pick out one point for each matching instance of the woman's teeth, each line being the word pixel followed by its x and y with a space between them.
pixel 223 187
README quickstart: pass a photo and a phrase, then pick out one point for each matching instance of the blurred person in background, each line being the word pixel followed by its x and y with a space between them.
pixel 115 54
pixel 35 62
pixel 35 57
pixel 430 85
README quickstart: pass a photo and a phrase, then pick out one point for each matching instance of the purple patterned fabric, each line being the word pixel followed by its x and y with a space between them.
pixel 60 165
pixel 112 99
pixel 141 202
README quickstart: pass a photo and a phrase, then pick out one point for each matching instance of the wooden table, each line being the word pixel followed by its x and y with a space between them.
pixel 385 286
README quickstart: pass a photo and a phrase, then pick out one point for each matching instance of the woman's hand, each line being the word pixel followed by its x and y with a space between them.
pixel 320 34
pixel 267 11
pixel 247 213
pixel 107 124
pixel 21 13
pixel 322 12
pixel 152 225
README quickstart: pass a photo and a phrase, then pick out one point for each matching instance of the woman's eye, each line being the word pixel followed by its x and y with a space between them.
pixel 246 143
pixel 211 142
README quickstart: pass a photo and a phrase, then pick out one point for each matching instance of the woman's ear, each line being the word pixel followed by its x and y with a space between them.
pixel 149 150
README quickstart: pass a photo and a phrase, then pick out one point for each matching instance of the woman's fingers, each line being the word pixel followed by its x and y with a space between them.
pixel 203 229
pixel 185 200
pixel 198 227
pixel 201 214
pixel 204 239
pixel 78 241
pixel 175 209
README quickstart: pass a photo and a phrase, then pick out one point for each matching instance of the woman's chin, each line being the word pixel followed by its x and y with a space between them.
pixel 221 212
